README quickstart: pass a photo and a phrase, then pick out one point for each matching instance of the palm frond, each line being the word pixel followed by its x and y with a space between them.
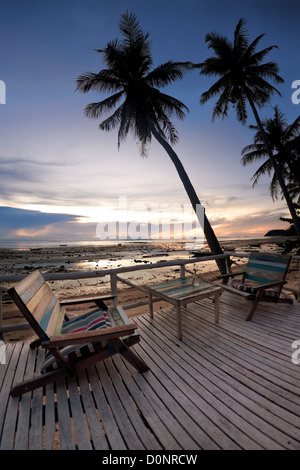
pixel 104 81
pixel 252 153
pixel 214 66
pixel 240 108
pixel 112 121
pixel 249 52
pixel 222 105
pixel 131 29
pixel 126 121
pixel 293 129
pixel 172 105
pixel 240 40
pixel 274 187
pixel 267 70
pixel 95 110
pixel 256 59
pixel 220 44
pixel 168 72
pixel 266 167
pixel 216 88
pixel 111 54
pixel 166 128
pixel 260 90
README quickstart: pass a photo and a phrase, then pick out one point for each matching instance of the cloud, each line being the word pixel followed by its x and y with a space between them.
pixel 19 160
pixel 251 224
pixel 19 222
pixel 23 177
pixel 13 218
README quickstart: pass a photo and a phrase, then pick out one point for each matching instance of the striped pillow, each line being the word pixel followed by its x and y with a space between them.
pixel 251 290
pixel 242 286
pixel 93 320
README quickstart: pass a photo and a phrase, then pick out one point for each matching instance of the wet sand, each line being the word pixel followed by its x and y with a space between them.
pixel 64 259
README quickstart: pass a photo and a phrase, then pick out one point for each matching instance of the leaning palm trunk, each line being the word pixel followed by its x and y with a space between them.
pixel 208 231
pixel 277 171
pixel 144 110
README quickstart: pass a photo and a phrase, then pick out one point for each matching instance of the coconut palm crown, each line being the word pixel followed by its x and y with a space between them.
pixel 284 139
pixel 242 75
pixel 137 101
pixel 244 78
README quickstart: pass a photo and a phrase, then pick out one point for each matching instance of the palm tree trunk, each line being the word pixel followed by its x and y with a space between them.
pixel 208 231
pixel 281 181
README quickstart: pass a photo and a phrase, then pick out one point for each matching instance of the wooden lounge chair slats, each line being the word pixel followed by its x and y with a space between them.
pixel 57 341
pixel 73 344
pixel 262 279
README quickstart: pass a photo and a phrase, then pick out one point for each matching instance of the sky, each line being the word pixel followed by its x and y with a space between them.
pixel 62 179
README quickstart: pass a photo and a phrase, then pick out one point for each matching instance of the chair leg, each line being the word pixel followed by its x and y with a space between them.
pixel 129 355
pixel 35 343
pixel 254 306
pixel 37 382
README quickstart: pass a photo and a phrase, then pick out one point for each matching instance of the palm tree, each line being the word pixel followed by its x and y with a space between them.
pixel 243 77
pixel 139 106
pixel 284 140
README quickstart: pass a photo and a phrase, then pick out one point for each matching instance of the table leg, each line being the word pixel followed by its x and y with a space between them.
pixel 178 321
pixel 150 304
pixel 217 305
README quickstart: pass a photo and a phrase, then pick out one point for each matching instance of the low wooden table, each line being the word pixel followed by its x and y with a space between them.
pixel 181 292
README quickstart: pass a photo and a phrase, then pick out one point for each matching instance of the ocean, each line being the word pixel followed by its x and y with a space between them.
pixel 41 243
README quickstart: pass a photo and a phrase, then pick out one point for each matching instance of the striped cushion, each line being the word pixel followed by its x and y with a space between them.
pixel 242 286
pixel 93 320
pixel 250 289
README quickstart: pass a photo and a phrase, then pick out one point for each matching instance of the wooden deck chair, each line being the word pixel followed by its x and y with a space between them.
pixel 261 281
pixel 71 343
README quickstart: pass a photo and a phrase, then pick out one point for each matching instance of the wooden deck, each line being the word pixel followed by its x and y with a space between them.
pixel 227 386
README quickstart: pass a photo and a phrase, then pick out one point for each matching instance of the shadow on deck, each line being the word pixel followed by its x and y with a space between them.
pixel 226 386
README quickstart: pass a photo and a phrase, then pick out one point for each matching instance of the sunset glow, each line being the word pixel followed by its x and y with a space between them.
pixel 61 176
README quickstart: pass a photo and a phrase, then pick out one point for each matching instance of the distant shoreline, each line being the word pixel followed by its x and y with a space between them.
pixel 27 245
pixel 64 258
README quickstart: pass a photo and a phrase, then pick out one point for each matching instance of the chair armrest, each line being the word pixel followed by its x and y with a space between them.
pixel 85 300
pixel 103 334
pixel 270 284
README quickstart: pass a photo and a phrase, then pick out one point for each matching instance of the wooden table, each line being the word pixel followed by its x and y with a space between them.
pixel 181 292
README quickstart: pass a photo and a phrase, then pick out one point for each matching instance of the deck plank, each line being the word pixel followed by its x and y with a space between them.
pixel 19 360
pixel 22 433
pixel 91 413
pixel 214 369
pixel 230 385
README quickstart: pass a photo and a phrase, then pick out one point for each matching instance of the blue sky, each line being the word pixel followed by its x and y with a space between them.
pixel 60 175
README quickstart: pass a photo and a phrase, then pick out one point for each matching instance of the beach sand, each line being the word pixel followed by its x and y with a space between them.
pixel 64 259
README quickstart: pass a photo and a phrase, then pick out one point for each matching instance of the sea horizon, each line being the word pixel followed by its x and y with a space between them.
pixel 38 243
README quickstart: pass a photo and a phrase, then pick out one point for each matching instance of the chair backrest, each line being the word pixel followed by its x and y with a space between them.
pixel 38 304
pixel 267 267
